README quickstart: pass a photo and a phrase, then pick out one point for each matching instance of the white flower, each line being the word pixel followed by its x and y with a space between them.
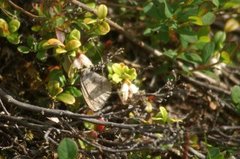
pixel 82 61
pixel 127 90
pixel 133 89
pixel 124 92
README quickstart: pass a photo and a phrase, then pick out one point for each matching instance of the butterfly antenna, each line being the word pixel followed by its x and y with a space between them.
pixel 102 65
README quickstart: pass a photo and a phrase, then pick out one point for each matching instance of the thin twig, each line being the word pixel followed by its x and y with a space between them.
pixel 228 127
pixel 22 121
pixel 196 153
pixel 121 30
pixel 57 112
pixel 22 10
pixel 4 108
pixel 208 86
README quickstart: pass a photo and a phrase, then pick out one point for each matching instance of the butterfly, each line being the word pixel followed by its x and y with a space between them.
pixel 96 89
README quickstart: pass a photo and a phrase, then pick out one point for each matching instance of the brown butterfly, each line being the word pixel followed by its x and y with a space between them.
pixel 96 89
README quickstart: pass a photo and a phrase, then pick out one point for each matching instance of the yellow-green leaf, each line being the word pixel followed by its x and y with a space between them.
pixel 51 43
pixel 75 34
pixel 102 11
pixel 225 57
pixel 196 20
pixel 89 21
pixel 54 88
pixel 3 27
pixel 103 28
pixel 14 38
pixel 66 98
pixel 60 50
pixel 231 25
pixel 164 114
pixel 72 45
pixel 36 28
pixel 23 49
pixel 14 25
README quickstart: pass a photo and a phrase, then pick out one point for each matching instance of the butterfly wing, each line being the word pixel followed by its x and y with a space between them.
pixel 96 89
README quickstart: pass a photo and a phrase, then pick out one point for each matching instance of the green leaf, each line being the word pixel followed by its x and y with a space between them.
pixel 130 74
pixel 232 4
pixel 66 98
pixel 148 7
pixel 188 38
pixel 225 57
pixel 191 57
pixel 235 94
pixel 82 144
pixel 117 68
pixel 167 11
pixel 60 50
pixel 42 55
pixel 103 28
pixel 88 125
pixel 67 149
pixel 147 31
pixel 214 153
pixel 203 35
pixel 196 20
pixel 57 75
pixel 36 28
pixel 14 25
pixel 75 35
pixel 52 43
pixel 219 39
pixel 31 42
pixel 119 72
pixel 74 91
pixel 170 53
pixel 164 114
pixel 13 38
pixel 59 20
pixel 72 45
pixel 23 49
pixel 102 11
pixel 54 88
pixel 89 21
pixel 208 51
pixel 116 78
pixel 208 18
pixel 195 57
pixel 216 2
pixel 155 9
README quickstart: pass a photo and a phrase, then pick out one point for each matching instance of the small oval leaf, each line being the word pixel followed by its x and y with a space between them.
pixel 23 49
pixel 67 149
pixel 208 18
pixel 102 11
pixel 3 28
pixel 14 25
pixel 164 114
pixel 72 45
pixel 66 98
pixel 235 94
pixel 103 28
pixel 51 43
pixel 75 35
pixel 231 25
